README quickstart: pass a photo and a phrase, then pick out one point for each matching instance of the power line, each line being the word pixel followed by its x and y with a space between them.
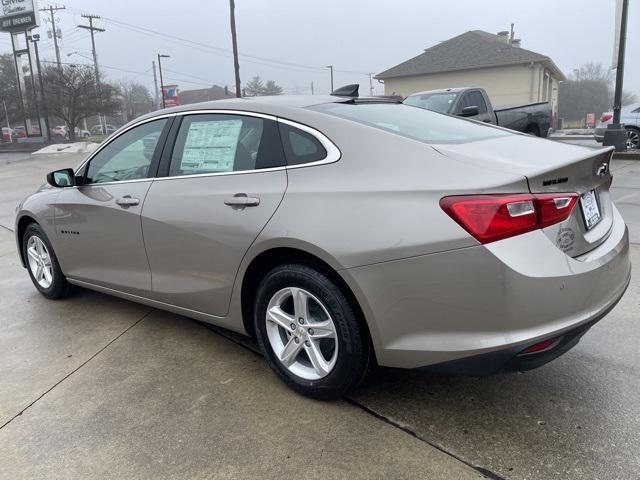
pixel 118 69
pixel 211 49
pixel 165 69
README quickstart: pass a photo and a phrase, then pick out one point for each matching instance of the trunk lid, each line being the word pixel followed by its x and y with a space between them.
pixel 553 167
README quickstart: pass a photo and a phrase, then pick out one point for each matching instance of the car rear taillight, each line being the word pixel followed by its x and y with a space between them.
pixel 541 346
pixel 605 117
pixel 494 217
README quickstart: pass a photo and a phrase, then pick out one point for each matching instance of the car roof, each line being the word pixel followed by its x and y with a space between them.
pixel 286 106
pixel 248 103
pixel 445 90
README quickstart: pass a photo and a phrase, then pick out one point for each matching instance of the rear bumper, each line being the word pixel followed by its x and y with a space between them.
pixel 496 299
pixel 515 358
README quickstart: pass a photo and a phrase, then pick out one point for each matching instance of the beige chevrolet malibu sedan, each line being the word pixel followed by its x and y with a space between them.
pixel 341 232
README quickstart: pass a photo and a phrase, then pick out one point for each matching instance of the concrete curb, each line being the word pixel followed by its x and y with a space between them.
pixel 634 155
pixel 570 137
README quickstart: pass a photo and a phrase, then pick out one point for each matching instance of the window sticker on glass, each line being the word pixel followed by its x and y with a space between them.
pixel 210 146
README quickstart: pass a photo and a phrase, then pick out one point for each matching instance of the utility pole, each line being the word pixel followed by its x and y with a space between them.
pixel 19 76
pixel 615 134
pixel 370 85
pixel 6 115
pixel 234 40
pixel 92 30
pixel 160 70
pixel 155 83
pixel 33 83
pixel 52 10
pixel 35 38
pixel 311 87
pixel 330 67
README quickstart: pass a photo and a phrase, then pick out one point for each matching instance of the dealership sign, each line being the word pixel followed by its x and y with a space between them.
pixel 171 95
pixel 18 15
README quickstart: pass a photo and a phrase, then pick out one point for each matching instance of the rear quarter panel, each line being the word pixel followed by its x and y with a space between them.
pixel 380 201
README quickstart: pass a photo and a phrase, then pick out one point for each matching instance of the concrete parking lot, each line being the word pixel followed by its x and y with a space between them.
pixel 98 387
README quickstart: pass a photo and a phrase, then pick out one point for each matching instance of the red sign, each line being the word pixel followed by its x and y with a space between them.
pixel 170 94
pixel 591 120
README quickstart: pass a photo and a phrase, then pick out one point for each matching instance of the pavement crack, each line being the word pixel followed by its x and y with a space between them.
pixel 483 471
pixel 78 367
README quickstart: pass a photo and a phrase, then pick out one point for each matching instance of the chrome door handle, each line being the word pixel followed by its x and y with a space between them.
pixel 127 201
pixel 241 200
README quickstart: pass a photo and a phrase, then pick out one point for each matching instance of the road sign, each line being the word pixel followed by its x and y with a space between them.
pixel 171 95
pixel 18 15
pixel 590 119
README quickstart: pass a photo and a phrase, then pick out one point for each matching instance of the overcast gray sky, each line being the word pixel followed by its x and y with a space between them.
pixel 290 41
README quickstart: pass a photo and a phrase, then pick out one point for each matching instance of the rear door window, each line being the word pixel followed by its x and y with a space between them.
pixel 299 146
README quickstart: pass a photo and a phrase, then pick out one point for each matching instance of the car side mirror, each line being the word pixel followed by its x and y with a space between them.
pixel 471 111
pixel 61 178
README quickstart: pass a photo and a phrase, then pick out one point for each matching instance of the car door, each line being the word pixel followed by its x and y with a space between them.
pixel 224 179
pixel 474 98
pixel 98 223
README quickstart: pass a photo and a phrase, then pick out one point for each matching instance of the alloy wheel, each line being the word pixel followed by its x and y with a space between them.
pixel 302 333
pixel 633 139
pixel 39 261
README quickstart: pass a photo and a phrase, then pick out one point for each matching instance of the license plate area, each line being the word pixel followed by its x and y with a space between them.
pixel 590 209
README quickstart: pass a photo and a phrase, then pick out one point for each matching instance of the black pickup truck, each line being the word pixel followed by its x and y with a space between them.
pixel 473 102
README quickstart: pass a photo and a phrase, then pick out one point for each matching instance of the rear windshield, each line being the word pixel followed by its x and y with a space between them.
pixel 438 102
pixel 413 122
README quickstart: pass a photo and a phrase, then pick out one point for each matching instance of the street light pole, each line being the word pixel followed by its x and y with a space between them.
pixel 615 134
pixel 161 81
pixel 330 67
pixel 35 38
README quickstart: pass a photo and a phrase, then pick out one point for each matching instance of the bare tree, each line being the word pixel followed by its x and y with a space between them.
pixel 593 72
pixel 136 99
pixel 628 98
pixel 72 94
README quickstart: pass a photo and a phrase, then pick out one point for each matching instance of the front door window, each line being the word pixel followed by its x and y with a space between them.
pixel 127 157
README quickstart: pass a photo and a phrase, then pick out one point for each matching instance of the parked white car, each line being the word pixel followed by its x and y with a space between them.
pixel 630 117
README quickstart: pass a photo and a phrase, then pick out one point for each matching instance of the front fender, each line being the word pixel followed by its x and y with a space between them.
pixel 38 207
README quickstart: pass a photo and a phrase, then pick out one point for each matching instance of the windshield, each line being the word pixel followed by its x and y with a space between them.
pixel 412 122
pixel 438 102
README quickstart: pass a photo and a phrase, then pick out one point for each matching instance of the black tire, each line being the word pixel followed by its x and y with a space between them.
pixel 353 347
pixel 631 131
pixel 59 287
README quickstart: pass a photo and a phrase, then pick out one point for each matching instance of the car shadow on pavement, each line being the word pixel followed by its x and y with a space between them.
pixel 557 421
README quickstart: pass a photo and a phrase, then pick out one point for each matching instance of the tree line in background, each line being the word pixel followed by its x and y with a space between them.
pixel 589 89
pixel 256 87
pixel 72 93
